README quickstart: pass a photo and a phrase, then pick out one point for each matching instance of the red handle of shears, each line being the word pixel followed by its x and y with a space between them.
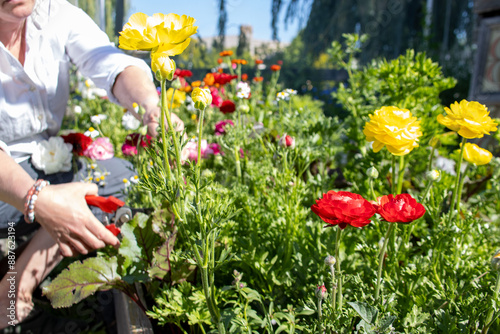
pixel 107 204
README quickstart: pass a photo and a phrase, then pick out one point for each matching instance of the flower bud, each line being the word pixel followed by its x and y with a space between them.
pixel 244 108
pixel 495 261
pixel 330 260
pixel 176 83
pixel 202 98
pixel 433 175
pixel 143 130
pixel 372 173
pixel 287 141
pixel 434 142
pixel 321 292
pixel 163 67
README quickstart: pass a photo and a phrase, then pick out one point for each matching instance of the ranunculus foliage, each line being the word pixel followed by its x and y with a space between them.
pixel 344 208
pixel 401 208
pixel 394 128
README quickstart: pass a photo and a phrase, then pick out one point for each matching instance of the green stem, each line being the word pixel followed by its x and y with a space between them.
pixel 198 163
pixel 339 275
pixel 214 314
pixel 374 197
pixel 237 159
pixel 164 111
pixel 173 133
pixel 320 316
pixel 457 180
pixel 401 173
pixel 460 189
pixel 334 287
pixel 393 175
pixel 381 259
pixel 489 318
pixel 426 191
pixel 429 167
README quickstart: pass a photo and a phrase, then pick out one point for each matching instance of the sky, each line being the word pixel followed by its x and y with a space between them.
pixel 256 13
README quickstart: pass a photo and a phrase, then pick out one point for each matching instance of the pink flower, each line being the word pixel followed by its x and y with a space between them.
pixel 216 98
pixel 220 127
pixel 190 150
pixel 100 149
pixel 212 148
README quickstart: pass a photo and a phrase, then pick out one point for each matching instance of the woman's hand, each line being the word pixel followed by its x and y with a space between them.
pixel 62 211
pixel 151 119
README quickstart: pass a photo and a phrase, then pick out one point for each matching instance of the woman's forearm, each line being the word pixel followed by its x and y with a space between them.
pixel 14 182
pixel 133 85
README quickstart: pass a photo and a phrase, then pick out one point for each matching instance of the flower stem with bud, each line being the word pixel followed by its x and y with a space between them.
pixel 381 259
pixel 457 182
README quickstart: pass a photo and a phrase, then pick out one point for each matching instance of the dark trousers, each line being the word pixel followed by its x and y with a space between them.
pixel 118 170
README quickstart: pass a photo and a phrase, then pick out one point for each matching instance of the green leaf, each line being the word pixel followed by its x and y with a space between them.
pixel 386 323
pixel 82 279
pixel 365 311
pixel 128 247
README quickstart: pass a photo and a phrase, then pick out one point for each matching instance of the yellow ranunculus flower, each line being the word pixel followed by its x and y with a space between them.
pixel 139 33
pixel 476 155
pixel 469 119
pixel 394 128
pixel 202 98
pixel 163 67
pixel 169 32
pixel 179 97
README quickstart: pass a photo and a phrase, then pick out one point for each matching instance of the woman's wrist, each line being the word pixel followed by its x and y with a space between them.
pixel 31 199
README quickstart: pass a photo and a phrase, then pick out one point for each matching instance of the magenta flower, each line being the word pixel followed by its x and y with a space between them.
pixel 132 141
pixel 220 127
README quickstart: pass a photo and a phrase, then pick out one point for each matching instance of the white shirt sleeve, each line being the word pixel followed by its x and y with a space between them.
pixel 4 147
pixel 95 56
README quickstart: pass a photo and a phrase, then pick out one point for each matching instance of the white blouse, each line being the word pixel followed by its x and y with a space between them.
pixel 33 98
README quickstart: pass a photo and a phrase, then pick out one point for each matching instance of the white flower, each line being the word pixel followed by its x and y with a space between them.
pixel 52 156
pixel 77 109
pixel 243 90
pixel 130 122
pixel 290 91
pixel 134 179
pixel 92 133
pixel 96 119
pixel 282 96
pixel 90 91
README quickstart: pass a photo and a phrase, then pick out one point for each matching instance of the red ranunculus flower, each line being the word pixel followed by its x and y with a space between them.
pixel 182 73
pixel 79 141
pixel 227 107
pixel 223 78
pixel 344 208
pixel 131 143
pixel 400 209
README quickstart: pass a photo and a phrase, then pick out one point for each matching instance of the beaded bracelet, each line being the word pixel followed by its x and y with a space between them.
pixel 31 197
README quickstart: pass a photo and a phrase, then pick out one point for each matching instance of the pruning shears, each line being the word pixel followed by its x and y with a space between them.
pixel 111 204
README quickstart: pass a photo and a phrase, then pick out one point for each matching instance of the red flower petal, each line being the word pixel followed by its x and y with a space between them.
pixel 344 208
pixel 400 208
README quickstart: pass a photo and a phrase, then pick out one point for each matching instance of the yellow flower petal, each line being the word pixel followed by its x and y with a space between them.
pixel 469 119
pixel 476 155
pixel 394 128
